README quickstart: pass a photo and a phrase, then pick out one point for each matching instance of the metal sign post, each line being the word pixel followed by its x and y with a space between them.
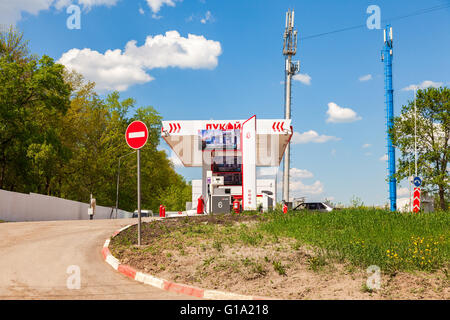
pixel 136 137
pixel 139 194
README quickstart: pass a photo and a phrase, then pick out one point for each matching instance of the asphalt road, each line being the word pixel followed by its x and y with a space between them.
pixel 34 257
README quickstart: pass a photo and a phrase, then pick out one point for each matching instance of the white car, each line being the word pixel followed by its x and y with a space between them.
pixel 144 213
pixel 316 206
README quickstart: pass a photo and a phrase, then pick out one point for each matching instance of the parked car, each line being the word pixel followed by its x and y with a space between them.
pixel 316 206
pixel 144 213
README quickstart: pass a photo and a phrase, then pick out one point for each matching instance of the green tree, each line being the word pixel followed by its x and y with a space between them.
pixel 33 97
pixel 59 137
pixel 176 196
pixel 433 133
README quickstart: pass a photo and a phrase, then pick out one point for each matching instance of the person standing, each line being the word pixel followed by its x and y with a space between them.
pixel 91 210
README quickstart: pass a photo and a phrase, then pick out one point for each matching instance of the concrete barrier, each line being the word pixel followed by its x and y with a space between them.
pixel 16 207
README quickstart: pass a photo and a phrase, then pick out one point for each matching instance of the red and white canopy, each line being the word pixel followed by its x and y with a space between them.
pixel 272 137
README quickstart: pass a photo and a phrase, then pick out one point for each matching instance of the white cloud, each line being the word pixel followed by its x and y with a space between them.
pixel 384 158
pixel 311 136
pixel 172 50
pixel 91 3
pixel 156 5
pixel 117 70
pixel 303 78
pixel 208 17
pixel 11 10
pixel 297 186
pixel 59 4
pixel 141 11
pixel 336 114
pixel 366 77
pixel 367 154
pixel 110 71
pixel 425 84
pixel 295 173
pixel 366 145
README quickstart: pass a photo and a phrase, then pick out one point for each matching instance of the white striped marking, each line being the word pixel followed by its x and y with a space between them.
pixel 138 134
pixel 148 279
pixel 124 228
pixel 219 295
pixel 112 261
pixel 106 243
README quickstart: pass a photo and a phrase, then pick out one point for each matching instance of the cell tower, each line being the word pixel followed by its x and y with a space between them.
pixel 291 68
pixel 386 57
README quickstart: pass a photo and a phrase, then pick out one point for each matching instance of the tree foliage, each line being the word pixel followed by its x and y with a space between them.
pixel 433 134
pixel 59 137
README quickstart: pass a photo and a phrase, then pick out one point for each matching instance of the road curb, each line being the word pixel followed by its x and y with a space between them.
pixel 163 284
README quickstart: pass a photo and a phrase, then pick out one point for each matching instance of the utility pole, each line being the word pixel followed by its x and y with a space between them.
pixel 415 131
pixel 386 57
pixel 410 184
pixel 289 50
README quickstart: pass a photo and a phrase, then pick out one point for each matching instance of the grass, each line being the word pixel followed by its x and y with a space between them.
pixel 278 267
pixel 392 241
pixel 366 289
pixel 358 237
pixel 317 263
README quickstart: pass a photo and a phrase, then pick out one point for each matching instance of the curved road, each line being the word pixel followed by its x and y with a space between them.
pixel 34 257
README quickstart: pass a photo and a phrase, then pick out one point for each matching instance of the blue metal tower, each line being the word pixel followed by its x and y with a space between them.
pixel 386 57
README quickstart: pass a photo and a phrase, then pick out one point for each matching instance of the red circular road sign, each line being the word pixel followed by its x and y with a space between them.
pixel 136 134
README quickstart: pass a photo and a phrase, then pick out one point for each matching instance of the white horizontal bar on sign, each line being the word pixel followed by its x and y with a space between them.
pixel 138 134
pixel 192 127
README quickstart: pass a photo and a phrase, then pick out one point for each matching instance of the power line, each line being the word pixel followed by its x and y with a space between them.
pixel 415 13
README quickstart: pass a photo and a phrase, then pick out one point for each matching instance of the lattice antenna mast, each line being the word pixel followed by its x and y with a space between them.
pixel 291 68
pixel 387 56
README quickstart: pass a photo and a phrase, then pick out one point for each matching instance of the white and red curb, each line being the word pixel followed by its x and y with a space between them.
pixel 168 285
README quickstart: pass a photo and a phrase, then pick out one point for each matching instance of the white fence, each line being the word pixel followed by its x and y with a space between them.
pixel 36 207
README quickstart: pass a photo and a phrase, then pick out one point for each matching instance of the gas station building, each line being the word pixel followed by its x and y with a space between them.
pixel 229 151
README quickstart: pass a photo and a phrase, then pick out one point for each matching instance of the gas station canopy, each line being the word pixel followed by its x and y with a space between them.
pixel 185 139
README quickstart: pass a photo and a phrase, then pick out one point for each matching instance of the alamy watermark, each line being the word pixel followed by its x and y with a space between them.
pixel 74 280
pixel 374 20
pixel 374 280
pixel 74 20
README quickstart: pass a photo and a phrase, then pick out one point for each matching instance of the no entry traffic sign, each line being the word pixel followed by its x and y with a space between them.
pixel 136 137
pixel 136 134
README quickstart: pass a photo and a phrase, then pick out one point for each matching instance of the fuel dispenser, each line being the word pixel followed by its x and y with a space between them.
pixel 236 206
pixel 219 197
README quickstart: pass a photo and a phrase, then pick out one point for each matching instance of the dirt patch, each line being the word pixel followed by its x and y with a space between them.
pixel 228 252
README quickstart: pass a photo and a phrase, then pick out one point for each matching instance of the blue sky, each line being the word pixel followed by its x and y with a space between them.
pixel 236 70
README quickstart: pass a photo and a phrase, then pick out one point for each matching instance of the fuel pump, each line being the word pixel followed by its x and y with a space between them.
pixel 236 206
